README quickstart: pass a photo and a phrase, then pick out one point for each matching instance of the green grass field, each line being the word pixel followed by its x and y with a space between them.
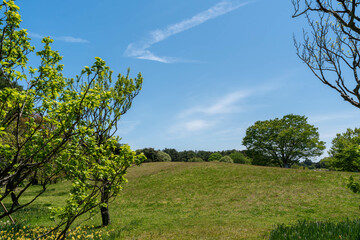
pixel 214 201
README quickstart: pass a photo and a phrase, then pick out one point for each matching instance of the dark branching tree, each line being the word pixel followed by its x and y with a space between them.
pixel 330 47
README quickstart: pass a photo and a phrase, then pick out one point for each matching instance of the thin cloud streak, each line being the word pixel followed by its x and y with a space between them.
pixel 140 50
pixel 206 120
pixel 212 116
pixel 224 105
pixel 67 39
pixel 182 128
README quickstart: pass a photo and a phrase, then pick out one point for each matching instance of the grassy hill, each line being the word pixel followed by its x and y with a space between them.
pixel 215 201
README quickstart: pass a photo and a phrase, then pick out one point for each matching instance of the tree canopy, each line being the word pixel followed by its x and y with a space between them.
pixel 285 141
pixel 345 151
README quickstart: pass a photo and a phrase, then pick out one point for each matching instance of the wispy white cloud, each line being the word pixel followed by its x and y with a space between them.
pixel 225 104
pixel 141 50
pixel 191 126
pixel 213 114
pixel 205 117
pixel 67 39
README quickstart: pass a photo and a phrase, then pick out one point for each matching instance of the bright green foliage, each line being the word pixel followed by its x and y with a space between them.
pixel 226 159
pixel 238 157
pixel 60 125
pixel 285 140
pixel 345 151
pixel 21 231
pixel 195 159
pixel 215 157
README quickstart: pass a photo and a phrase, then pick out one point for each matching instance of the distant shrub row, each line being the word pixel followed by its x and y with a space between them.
pixel 229 156
pixel 168 155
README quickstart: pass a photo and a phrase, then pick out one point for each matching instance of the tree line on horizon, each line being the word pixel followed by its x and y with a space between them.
pixel 286 142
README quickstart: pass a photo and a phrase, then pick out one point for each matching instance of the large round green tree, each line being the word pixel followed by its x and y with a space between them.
pixel 285 141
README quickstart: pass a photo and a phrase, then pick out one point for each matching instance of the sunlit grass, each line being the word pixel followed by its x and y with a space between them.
pixel 214 201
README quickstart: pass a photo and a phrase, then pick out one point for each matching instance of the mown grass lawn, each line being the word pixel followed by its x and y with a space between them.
pixel 214 201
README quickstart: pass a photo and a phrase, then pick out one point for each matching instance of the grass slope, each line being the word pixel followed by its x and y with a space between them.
pixel 215 201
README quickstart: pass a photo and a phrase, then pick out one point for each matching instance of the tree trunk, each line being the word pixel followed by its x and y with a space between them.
pixel 14 199
pixel 105 215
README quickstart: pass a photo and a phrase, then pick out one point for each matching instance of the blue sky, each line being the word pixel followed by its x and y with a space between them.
pixel 211 68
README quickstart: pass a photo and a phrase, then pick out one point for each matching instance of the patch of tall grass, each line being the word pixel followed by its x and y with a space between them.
pixel 318 230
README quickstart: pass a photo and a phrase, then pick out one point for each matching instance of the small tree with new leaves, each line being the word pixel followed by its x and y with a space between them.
pixel 60 125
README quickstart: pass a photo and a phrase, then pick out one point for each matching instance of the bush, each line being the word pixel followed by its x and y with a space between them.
pixel 226 159
pixel 238 157
pixel 195 159
pixel 163 157
pixel 215 157
pixel 313 230
pixel 153 155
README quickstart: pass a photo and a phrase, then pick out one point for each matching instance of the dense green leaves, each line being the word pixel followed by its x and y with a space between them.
pixel 285 141
pixel 345 151
pixel 345 155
